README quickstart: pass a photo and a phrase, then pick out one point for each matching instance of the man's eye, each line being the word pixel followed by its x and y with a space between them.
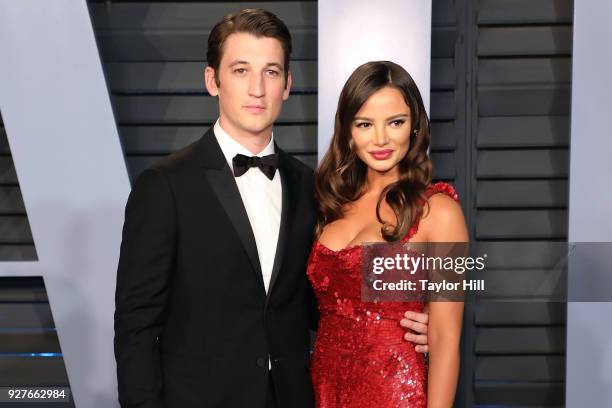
pixel 272 72
pixel 239 70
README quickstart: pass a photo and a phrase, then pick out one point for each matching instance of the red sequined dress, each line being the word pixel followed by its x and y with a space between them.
pixel 360 358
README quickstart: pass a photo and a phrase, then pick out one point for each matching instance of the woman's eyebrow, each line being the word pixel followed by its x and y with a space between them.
pixel 399 115
pixel 396 116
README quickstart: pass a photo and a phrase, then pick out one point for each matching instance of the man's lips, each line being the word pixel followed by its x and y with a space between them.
pixel 255 108
pixel 381 154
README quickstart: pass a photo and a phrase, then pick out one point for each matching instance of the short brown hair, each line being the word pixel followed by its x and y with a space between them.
pixel 258 22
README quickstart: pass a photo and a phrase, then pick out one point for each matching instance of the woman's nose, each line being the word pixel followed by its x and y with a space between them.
pixel 380 136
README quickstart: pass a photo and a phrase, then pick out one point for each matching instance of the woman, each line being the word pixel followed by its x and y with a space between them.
pixel 374 185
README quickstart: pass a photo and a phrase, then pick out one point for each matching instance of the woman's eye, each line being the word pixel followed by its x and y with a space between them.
pixel 363 125
pixel 397 122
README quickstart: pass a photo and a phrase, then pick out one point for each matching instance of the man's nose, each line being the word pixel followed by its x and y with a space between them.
pixel 256 86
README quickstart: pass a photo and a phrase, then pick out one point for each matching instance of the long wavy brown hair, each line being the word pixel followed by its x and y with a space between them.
pixel 341 176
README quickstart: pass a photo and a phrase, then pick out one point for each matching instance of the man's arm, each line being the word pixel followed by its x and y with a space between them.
pixel 145 264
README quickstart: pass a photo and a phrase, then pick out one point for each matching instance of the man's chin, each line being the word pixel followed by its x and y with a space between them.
pixel 257 129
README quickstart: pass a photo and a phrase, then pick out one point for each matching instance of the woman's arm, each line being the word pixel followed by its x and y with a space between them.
pixel 445 319
pixel 444 223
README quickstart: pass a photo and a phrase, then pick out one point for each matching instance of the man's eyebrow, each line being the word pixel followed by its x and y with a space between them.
pixel 238 62
pixel 275 64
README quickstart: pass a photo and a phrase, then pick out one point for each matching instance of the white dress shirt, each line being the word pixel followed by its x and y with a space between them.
pixel 262 200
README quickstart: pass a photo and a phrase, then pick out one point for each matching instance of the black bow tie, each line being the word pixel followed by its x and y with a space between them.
pixel 267 164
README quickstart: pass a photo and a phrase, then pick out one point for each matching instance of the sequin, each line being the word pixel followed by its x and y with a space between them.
pixel 360 358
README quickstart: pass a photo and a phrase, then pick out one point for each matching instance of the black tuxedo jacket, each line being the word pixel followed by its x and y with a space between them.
pixel 193 324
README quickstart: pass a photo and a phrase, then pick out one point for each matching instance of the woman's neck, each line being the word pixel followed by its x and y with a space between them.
pixel 377 181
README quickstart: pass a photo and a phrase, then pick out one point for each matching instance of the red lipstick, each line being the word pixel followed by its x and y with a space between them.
pixel 381 154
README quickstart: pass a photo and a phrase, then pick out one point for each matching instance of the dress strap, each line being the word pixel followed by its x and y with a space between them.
pixel 439 187
pixel 442 187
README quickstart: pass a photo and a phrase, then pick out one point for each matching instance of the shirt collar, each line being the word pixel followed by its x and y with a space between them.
pixel 230 147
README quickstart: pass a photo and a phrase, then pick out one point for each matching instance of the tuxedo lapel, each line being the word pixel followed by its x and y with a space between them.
pixel 221 179
pixel 290 180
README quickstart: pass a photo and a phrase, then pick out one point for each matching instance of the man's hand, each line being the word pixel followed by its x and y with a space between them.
pixel 416 323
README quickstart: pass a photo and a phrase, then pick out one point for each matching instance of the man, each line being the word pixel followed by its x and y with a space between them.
pixel 213 305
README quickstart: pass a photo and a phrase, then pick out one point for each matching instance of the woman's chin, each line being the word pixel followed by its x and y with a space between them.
pixel 382 167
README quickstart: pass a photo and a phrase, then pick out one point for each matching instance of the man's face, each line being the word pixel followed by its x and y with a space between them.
pixel 251 87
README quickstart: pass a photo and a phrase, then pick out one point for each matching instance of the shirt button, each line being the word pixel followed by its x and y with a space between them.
pixel 261 362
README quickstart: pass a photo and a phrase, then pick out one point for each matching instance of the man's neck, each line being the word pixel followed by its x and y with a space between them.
pixel 254 143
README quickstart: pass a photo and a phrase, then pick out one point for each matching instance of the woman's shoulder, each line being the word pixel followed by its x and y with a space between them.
pixel 442 201
pixel 443 218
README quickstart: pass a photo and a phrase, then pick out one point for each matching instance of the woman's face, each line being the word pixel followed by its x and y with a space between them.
pixel 381 130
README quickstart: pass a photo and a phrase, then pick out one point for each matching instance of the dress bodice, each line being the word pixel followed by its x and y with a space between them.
pixel 335 277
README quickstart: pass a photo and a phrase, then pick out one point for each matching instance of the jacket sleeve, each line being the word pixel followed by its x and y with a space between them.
pixel 146 263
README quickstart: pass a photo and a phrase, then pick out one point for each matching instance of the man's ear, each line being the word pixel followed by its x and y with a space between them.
pixel 210 81
pixel 287 86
